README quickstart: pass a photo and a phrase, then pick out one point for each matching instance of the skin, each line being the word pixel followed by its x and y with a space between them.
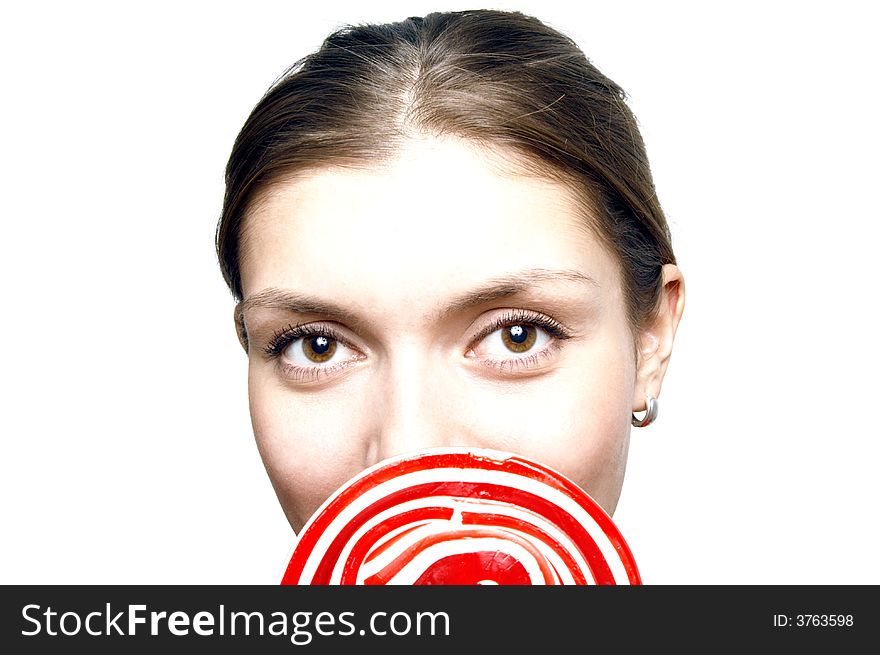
pixel 414 269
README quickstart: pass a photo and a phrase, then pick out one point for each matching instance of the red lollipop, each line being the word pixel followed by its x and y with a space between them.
pixel 460 516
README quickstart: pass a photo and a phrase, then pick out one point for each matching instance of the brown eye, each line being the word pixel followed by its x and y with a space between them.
pixel 519 338
pixel 318 348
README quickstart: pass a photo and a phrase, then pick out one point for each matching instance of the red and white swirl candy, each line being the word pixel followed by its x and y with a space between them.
pixel 455 516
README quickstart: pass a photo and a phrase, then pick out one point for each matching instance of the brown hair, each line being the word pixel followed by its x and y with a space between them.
pixel 502 80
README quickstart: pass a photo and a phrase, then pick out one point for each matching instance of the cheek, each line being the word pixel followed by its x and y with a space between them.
pixel 581 435
pixel 576 421
pixel 308 446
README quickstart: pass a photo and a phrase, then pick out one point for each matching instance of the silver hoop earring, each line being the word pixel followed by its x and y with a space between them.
pixel 650 413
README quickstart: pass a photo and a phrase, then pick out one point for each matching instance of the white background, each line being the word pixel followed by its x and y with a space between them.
pixel 127 454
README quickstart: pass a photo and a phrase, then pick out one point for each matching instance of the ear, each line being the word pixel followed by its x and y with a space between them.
pixel 240 330
pixel 654 347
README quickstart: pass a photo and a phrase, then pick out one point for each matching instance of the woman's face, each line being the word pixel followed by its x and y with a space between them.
pixel 431 302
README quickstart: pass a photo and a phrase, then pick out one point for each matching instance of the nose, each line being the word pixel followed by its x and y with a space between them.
pixel 413 408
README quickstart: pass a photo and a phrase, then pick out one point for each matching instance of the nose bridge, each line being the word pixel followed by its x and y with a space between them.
pixel 410 406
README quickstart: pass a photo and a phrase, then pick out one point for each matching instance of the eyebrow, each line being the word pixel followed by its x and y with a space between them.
pixel 495 289
pixel 511 285
pixel 299 303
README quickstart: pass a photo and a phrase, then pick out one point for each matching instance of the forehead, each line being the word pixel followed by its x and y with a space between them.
pixel 441 215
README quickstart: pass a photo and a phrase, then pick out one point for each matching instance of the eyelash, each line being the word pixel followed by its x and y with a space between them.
pixel 283 338
pixel 524 317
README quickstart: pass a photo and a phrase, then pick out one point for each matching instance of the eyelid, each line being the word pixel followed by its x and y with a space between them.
pixel 517 316
pixel 284 337
pixel 307 374
pixel 529 362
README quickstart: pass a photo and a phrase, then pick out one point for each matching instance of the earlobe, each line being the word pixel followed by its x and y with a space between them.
pixel 656 339
pixel 238 317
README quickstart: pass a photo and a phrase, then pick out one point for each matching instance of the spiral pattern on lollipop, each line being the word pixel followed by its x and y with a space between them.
pixel 460 517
